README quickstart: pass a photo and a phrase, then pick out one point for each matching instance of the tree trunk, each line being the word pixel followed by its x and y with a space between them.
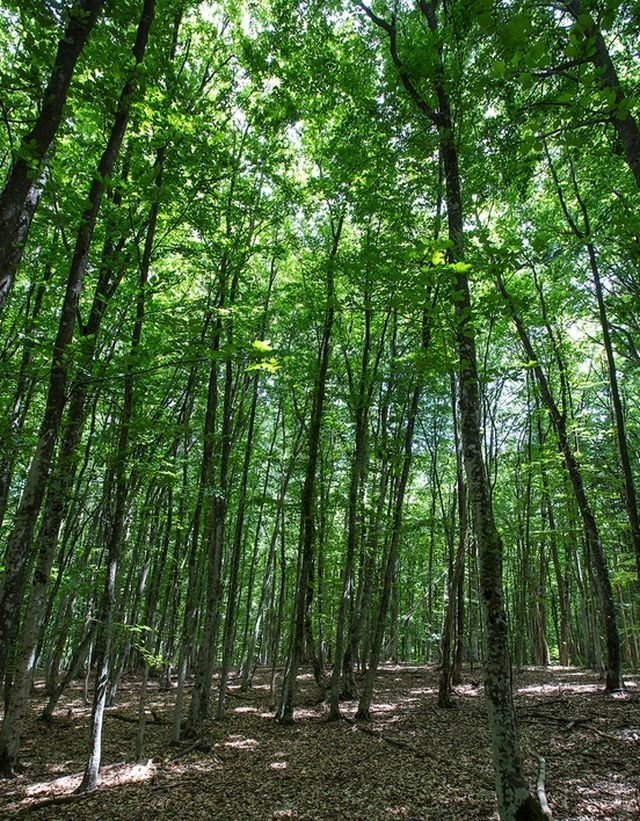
pixel 307 535
pixel 363 712
pixel 19 545
pixel 451 672
pixel 592 536
pixel 122 483
pixel 19 196
pixel 361 413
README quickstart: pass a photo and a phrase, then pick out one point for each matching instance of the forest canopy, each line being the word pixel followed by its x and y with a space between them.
pixel 319 345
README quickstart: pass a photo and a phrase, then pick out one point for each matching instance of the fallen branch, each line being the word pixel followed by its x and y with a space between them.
pixel 245 696
pixel 387 739
pixel 120 717
pixel 150 719
pixel 198 744
pixel 542 796
pixel 569 722
pixel 67 798
pixel 610 737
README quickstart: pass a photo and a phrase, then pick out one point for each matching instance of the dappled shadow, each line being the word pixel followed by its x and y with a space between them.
pixel 415 761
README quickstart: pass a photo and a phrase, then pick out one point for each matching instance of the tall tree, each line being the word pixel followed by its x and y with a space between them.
pixel 308 497
pixel 514 798
pixel 20 194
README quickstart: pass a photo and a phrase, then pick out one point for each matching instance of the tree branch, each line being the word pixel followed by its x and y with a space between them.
pixel 392 32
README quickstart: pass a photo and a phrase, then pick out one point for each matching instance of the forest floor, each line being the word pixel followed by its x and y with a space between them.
pixel 413 761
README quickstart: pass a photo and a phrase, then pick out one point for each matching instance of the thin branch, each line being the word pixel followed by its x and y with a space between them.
pixel 392 32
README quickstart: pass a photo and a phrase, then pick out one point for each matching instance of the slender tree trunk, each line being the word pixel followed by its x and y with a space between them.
pixel 592 536
pixel 229 624
pixel 122 483
pixel 357 473
pixel 202 510
pixel 79 655
pixel 23 389
pixel 307 535
pixel 268 586
pixel 585 234
pixel 21 190
pixel 363 712
pixel 19 545
pixel 562 577
pixel 451 672
pixel 55 509
pixel 199 706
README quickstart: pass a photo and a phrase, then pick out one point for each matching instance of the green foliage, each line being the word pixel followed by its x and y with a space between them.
pixel 271 122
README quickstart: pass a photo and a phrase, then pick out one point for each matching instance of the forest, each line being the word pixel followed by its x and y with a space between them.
pixel 320 431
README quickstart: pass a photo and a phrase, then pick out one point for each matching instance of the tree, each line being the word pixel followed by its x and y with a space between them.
pixel 21 192
pixel 514 799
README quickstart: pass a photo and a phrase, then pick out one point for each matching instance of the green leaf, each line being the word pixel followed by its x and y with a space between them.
pixel 526 80
pixel 268 366
pixel 623 109
pixel 262 345
pixel 516 29
pixel 485 21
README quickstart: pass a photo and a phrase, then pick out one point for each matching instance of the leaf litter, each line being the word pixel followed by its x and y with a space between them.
pixel 413 760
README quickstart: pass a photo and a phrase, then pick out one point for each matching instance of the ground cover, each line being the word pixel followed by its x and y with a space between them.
pixel 413 761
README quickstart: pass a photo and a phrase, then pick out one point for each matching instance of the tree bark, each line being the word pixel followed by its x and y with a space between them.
pixel 591 534
pixel 307 534
pixel 19 199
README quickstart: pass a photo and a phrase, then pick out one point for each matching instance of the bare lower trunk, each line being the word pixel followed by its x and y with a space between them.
pixel 307 512
pixel 364 705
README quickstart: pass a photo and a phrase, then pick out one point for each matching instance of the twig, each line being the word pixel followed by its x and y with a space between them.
pixel 542 796
pixel 70 798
